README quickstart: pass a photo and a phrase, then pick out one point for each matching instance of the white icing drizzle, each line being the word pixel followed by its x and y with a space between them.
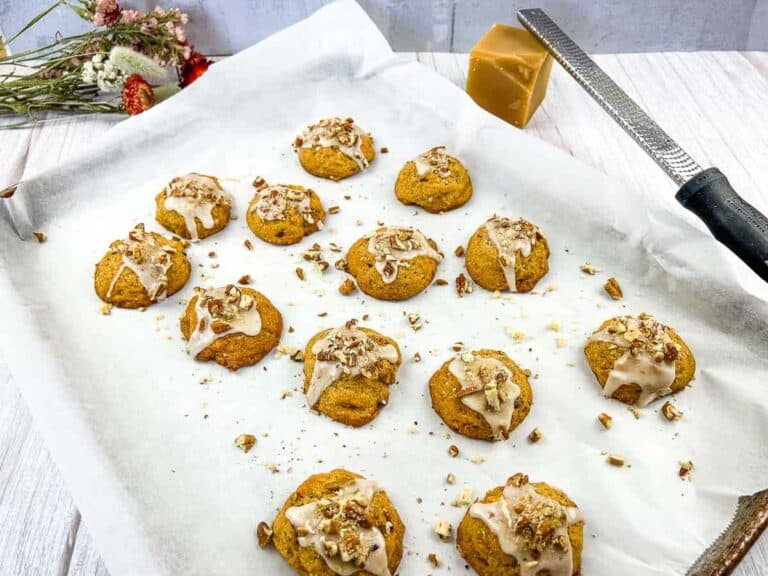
pixel 393 247
pixel 148 259
pixel 339 530
pixel 649 360
pixel 510 235
pixel 435 161
pixel 487 388
pixel 272 202
pixel 345 351
pixel 220 312
pixel 530 527
pixel 194 196
pixel 344 135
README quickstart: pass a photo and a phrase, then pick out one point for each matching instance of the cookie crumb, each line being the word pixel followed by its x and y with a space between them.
pixel 417 357
pixel 245 279
pixel 285 393
pixel 41 237
pixel 463 285
pixel 450 479
pixel 453 450
pixel 670 412
pixel 605 420
pixel 615 460
pixel 478 459
pixel 464 498
pixel 300 272
pixel 554 326
pixel 444 530
pixel 347 287
pixel 384 150
pixel 535 435
pixel 334 209
pixel 415 321
pixel 459 251
pixel 685 468
pixel 340 264
pixel 613 289
pixel 248 244
pixel 637 413
pixel 434 560
pixel 587 268
pixel 106 309
pixel 245 442
pixel 264 534
pixel 441 282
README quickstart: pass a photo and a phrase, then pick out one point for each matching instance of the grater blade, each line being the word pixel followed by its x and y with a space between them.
pixel 657 144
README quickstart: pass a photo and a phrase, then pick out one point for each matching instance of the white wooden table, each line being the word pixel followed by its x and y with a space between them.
pixel 715 104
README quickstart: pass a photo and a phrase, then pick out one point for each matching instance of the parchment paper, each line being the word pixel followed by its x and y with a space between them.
pixel 147 450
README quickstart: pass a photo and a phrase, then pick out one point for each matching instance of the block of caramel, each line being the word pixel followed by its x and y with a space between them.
pixel 508 73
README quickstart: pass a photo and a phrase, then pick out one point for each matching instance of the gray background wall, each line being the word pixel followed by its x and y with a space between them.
pixel 226 26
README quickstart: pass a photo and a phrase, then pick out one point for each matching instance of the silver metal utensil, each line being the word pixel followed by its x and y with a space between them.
pixel 706 193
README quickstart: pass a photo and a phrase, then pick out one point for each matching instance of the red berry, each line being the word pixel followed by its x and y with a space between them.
pixel 193 67
pixel 137 95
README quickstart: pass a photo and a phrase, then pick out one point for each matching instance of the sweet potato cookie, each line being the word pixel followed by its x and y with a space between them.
pixel 393 263
pixel 142 269
pixel 334 148
pixel 348 371
pixel 339 523
pixel 639 359
pixel 193 206
pixel 435 181
pixel 232 326
pixel 481 394
pixel 522 529
pixel 284 214
pixel 507 254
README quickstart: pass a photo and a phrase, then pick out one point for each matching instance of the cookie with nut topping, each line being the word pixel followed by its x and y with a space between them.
pixel 348 371
pixel 141 269
pixel 334 148
pixel 522 528
pixel 284 214
pixel 193 206
pixel 338 522
pixel 481 394
pixel 435 181
pixel 234 326
pixel 507 254
pixel 393 263
pixel 637 359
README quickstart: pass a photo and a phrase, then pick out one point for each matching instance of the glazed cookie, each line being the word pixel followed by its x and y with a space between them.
pixel 507 254
pixel 284 214
pixel 522 529
pixel 393 263
pixel 435 181
pixel 232 326
pixel 339 523
pixel 334 148
pixel 142 269
pixel 348 371
pixel 481 394
pixel 193 206
pixel 639 359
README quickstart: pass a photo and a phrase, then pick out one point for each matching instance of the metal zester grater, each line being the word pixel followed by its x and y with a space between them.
pixel 706 193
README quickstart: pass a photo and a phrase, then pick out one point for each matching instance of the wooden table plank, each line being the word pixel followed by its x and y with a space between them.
pixel 712 103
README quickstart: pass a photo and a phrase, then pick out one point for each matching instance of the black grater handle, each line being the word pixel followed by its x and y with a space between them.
pixel 730 218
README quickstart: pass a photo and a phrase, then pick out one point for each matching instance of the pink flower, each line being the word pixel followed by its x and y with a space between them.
pixel 130 16
pixel 105 12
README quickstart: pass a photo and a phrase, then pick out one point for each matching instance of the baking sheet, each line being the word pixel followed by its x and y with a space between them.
pixel 144 435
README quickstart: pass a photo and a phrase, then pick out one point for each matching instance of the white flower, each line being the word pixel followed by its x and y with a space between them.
pixel 103 73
